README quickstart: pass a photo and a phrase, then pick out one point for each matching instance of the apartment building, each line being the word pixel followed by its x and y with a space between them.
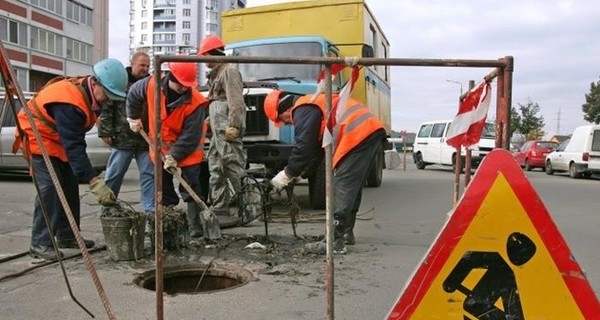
pixel 175 26
pixel 49 38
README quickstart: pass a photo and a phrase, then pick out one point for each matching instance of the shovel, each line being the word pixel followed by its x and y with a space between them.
pixel 210 223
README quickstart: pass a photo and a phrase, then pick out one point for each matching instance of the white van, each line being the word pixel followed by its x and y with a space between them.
pixel 430 145
pixel 580 157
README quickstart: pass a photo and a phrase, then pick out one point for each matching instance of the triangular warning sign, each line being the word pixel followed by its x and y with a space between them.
pixel 499 256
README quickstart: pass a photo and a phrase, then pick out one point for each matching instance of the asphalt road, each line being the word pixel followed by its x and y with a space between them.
pixel 399 222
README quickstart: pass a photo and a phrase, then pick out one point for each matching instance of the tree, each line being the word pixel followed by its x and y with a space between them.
pixel 528 122
pixel 591 107
pixel 515 121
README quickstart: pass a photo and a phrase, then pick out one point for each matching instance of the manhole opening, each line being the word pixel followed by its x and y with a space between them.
pixel 190 279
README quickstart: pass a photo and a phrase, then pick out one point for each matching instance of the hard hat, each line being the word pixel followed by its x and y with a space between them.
pixel 185 73
pixel 276 102
pixel 111 74
pixel 209 44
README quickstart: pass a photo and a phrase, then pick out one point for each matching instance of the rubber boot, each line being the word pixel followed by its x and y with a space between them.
pixel 193 218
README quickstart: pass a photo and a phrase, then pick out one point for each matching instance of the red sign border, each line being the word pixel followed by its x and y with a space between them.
pixel 496 162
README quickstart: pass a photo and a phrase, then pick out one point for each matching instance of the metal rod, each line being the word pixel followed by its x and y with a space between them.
pixel 158 213
pixel 329 201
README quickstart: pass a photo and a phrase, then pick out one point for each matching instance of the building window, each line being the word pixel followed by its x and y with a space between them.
pixel 144 25
pixel 187 12
pixel 186 25
pixel 213 27
pixel 187 1
pixel 144 37
pixel 212 15
pixel 185 37
pixel 79 13
pixel 144 13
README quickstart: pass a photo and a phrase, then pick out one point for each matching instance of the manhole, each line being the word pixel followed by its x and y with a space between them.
pixel 195 278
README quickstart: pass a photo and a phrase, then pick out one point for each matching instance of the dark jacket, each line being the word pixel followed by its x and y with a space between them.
pixel 113 123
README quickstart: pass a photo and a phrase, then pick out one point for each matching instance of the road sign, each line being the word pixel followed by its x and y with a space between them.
pixel 499 256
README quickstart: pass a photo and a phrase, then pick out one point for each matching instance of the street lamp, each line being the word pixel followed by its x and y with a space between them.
pixel 460 84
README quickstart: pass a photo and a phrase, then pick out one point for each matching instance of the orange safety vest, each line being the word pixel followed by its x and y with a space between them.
pixel 172 124
pixel 64 91
pixel 356 124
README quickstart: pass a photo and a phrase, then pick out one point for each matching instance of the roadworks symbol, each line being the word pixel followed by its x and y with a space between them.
pixel 499 256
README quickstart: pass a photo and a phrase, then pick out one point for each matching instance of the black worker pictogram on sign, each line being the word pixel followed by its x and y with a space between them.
pixel 499 256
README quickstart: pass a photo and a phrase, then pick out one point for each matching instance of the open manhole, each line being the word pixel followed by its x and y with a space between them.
pixel 195 278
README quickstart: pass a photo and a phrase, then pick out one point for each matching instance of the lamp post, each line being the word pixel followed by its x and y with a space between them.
pixel 459 83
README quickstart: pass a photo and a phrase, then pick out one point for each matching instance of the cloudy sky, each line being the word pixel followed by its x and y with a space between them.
pixel 554 44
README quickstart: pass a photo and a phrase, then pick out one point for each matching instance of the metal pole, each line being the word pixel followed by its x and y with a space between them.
pixel 329 200
pixel 158 211
pixel 508 71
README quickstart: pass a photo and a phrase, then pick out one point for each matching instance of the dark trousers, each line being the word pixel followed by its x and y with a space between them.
pixel 348 180
pixel 191 175
pixel 49 197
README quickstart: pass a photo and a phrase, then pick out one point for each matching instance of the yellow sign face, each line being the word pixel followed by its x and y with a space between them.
pixel 490 270
pixel 500 256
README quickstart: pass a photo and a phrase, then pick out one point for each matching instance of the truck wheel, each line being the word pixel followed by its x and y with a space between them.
pixel 549 170
pixel 316 187
pixel 375 174
pixel 419 161
pixel 573 171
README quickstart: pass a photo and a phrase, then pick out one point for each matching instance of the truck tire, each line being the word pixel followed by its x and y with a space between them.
pixel 375 174
pixel 316 187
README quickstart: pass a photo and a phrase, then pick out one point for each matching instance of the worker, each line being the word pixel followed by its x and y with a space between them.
pixel 227 113
pixel 182 113
pixel 356 138
pixel 126 145
pixel 63 111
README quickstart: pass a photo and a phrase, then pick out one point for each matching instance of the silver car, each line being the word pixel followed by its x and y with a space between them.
pixel 97 150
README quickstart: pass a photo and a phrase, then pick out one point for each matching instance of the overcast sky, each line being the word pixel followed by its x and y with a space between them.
pixel 554 44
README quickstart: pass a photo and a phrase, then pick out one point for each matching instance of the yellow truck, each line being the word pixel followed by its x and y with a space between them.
pixel 332 28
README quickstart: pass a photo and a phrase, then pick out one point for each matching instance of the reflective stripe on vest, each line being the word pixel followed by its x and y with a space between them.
pixel 355 124
pixel 172 125
pixel 68 91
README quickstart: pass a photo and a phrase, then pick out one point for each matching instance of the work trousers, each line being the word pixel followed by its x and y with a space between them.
pixel 226 162
pixel 348 180
pixel 118 164
pixel 190 174
pixel 49 198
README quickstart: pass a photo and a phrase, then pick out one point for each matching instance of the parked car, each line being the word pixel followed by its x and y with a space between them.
pixel 532 154
pixel 97 150
pixel 579 156
pixel 430 145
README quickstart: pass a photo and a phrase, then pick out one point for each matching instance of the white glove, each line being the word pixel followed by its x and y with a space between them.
pixel 281 180
pixel 169 163
pixel 135 124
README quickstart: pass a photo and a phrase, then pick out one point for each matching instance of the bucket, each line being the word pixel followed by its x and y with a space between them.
pixel 124 237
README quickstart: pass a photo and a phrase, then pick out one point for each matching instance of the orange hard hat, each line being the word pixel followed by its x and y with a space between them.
pixel 210 43
pixel 276 102
pixel 185 73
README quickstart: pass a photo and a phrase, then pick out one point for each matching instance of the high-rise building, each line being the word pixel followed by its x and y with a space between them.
pixel 49 38
pixel 175 26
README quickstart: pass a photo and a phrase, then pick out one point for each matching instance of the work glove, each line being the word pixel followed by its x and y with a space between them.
pixel 135 124
pixel 103 193
pixel 282 180
pixel 169 163
pixel 231 133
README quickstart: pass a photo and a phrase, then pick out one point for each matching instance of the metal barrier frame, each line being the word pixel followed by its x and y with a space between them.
pixel 503 71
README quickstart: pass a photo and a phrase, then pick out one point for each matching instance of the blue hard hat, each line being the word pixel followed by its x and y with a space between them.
pixel 111 74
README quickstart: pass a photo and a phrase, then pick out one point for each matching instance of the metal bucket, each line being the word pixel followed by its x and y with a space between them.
pixel 124 237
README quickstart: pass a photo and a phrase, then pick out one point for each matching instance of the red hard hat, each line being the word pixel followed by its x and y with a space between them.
pixel 209 44
pixel 185 73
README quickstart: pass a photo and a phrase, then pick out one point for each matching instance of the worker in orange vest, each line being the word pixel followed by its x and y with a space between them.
pixel 356 139
pixel 182 112
pixel 63 111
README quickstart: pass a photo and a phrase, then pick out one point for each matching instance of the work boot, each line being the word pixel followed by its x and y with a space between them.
pixel 44 252
pixel 349 238
pixel 71 243
pixel 193 219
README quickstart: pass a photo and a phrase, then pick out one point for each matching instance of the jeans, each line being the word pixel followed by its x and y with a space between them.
pixel 118 164
pixel 48 198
